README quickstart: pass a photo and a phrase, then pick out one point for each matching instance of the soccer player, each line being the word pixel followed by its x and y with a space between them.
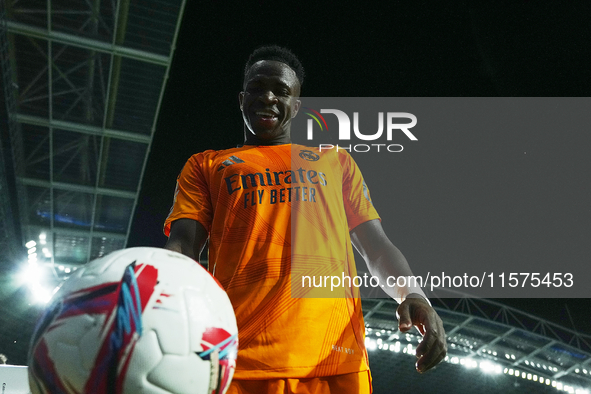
pixel 273 211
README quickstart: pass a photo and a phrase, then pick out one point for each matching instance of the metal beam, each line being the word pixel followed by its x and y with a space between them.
pixel 144 165
pixel 87 43
pixel 83 129
pixel 76 188
pixel 33 229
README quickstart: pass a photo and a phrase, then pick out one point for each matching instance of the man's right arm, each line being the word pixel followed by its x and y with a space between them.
pixel 187 236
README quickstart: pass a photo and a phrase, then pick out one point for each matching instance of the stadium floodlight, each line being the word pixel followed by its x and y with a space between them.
pixel 30 244
pixel 490 368
pixel 32 250
pixel 41 294
pixel 42 236
pixel 32 274
pixel 468 363
pixel 370 344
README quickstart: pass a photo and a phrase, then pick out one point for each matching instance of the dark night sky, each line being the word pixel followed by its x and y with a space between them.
pixel 517 48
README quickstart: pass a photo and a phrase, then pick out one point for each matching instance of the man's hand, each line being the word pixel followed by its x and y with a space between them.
pixel 415 311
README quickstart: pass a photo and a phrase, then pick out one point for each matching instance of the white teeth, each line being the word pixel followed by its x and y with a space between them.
pixel 266 114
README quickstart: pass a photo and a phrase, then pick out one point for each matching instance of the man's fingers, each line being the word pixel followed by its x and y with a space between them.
pixel 424 364
pixel 404 319
pixel 432 349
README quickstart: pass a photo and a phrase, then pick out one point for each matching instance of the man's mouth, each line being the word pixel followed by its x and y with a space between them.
pixel 267 115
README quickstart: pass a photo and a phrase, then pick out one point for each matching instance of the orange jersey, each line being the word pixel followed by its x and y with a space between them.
pixel 278 218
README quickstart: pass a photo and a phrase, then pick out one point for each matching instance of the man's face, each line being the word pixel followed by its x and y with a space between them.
pixel 269 102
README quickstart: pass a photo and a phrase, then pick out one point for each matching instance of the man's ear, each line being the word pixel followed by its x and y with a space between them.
pixel 296 108
pixel 241 99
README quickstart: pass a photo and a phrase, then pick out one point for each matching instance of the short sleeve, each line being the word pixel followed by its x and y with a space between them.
pixel 192 198
pixel 358 205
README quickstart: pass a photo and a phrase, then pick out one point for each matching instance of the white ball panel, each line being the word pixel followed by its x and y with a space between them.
pixel 89 344
pixel 182 375
pixel 146 356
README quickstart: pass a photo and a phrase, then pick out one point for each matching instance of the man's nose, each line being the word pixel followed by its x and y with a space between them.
pixel 269 97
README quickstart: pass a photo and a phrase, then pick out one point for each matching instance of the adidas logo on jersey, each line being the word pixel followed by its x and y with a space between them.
pixel 229 161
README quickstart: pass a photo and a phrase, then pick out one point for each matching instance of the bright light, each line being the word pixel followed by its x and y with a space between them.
pixel 33 257
pixel 42 236
pixel 488 367
pixel 469 363
pixel 32 250
pixel 370 344
pixel 30 244
pixel 67 270
pixel 41 295
pixel 32 274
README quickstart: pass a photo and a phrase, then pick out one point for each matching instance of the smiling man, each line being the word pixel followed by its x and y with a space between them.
pixel 272 211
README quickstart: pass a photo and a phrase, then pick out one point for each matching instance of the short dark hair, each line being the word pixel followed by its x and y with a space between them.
pixel 279 54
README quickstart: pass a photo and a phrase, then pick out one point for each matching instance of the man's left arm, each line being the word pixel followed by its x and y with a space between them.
pixel 383 260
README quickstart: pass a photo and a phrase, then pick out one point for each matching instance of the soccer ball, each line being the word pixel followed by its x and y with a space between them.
pixel 139 320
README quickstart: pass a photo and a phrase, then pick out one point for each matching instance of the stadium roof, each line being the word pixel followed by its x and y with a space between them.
pixel 83 83
pixel 525 352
